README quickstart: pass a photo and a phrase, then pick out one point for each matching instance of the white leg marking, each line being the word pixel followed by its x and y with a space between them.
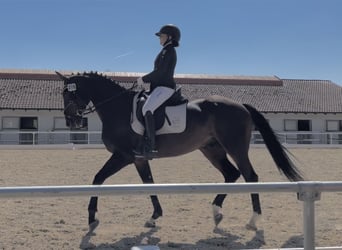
pixel 253 221
pixel 150 223
pixel 92 227
pixel 218 216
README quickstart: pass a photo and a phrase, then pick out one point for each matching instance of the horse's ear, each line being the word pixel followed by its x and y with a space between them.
pixel 61 76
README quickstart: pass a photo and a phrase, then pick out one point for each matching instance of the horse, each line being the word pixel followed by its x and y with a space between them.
pixel 216 125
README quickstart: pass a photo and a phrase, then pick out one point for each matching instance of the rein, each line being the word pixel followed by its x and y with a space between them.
pixel 92 109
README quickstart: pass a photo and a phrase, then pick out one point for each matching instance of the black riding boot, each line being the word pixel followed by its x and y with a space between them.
pixel 149 145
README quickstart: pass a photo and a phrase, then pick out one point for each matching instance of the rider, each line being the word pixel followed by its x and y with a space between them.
pixel 162 84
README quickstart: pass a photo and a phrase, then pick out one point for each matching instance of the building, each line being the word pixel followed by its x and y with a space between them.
pixel 31 106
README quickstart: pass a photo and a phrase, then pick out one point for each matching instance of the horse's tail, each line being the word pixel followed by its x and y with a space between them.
pixel 278 152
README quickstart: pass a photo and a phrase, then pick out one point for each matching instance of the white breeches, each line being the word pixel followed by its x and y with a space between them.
pixel 158 96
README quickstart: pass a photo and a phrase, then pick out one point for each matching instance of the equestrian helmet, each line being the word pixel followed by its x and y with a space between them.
pixel 170 30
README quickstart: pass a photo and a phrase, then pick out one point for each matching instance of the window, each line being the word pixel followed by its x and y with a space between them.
pixel 304 125
pixel 290 125
pixel 10 122
pixel 297 125
pixel 334 126
pixel 30 123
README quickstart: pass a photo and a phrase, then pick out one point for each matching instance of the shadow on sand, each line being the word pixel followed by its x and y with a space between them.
pixel 225 240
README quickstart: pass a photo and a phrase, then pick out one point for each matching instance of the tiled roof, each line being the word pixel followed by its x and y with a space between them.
pixel 294 96
pixel 42 90
pixel 31 94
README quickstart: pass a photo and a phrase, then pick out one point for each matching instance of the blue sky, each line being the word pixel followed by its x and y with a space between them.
pixel 290 38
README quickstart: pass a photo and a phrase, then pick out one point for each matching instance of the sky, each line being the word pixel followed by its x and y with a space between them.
pixel 291 39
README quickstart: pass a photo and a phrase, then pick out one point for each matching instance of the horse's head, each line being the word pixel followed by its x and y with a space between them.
pixel 75 99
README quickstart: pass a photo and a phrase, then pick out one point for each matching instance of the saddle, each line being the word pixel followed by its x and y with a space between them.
pixel 170 117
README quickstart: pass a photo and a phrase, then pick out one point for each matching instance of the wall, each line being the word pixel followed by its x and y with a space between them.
pixel 46 119
pixel 318 121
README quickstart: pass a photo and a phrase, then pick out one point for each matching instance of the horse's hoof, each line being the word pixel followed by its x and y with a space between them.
pixel 253 221
pixel 87 245
pixel 151 223
pixel 92 227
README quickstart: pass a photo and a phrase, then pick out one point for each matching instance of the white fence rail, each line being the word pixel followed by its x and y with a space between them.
pixel 49 138
pixel 308 192
pixel 94 137
pixel 304 138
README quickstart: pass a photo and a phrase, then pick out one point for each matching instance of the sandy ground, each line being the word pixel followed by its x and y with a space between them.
pixel 61 223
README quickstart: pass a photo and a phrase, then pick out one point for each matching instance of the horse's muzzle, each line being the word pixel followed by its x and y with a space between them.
pixel 74 122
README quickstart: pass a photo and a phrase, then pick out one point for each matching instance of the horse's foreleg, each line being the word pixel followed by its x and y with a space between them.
pixel 157 212
pixel 92 209
pixel 145 173
pixel 113 165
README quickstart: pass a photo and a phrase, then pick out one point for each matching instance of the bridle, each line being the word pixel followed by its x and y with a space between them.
pixel 72 88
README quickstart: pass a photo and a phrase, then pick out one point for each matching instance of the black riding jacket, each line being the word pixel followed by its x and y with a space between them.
pixel 164 68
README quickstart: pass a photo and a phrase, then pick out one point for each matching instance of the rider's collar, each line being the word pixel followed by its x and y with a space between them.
pixel 167 43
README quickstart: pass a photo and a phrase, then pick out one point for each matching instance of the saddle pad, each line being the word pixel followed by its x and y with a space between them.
pixel 176 115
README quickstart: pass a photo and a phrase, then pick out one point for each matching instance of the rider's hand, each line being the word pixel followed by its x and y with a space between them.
pixel 140 82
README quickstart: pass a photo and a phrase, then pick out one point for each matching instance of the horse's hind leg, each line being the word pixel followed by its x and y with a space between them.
pixel 236 144
pixel 145 173
pixel 218 157
pixel 242 161
pixel 239 153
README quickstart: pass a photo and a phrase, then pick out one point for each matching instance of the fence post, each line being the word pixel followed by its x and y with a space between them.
pixel 309 195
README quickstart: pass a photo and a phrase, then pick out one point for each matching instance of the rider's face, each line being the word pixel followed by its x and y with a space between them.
pixel 163 39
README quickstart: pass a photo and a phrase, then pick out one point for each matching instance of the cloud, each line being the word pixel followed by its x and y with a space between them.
pixel 123 55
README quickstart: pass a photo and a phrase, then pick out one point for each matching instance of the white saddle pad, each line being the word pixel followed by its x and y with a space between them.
pixel 176 115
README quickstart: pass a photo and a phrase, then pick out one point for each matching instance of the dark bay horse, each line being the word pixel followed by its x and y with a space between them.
pixel 217 126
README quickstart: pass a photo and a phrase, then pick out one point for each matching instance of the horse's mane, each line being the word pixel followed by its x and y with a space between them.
pixel 100 78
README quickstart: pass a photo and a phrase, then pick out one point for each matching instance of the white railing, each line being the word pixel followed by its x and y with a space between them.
pixel 307 191
pixel 49 138
pixel 94 137
pixel 303 138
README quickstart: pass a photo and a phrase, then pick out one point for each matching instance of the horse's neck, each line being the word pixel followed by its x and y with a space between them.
pixel 101 92
pixel 112 103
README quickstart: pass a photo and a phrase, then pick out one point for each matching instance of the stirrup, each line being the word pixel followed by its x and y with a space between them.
pixel 147 155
